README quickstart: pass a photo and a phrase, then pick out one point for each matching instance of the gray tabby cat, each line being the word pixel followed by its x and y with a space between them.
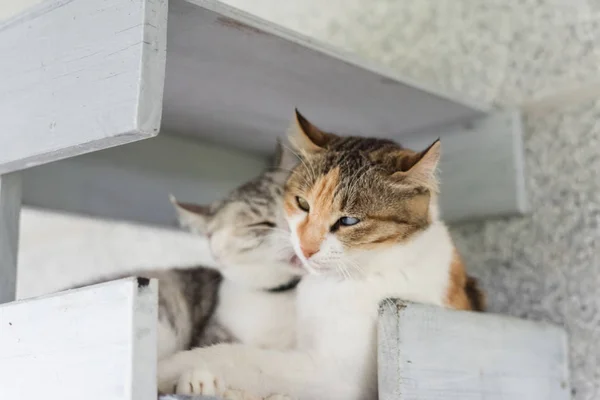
pixel 250 299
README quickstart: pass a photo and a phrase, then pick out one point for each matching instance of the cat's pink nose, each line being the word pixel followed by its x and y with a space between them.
pixel 308 252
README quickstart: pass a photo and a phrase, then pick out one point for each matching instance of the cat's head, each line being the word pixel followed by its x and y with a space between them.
pixel 247 233
pixel 351 196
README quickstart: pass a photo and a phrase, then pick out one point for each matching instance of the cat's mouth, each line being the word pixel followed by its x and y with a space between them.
pixel 296 262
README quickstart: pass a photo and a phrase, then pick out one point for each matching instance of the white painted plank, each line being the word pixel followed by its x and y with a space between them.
pixel 79 76
pixel 94 343
pixel 431 353
pixel 235 79
pixel 10 207
pixel 481 174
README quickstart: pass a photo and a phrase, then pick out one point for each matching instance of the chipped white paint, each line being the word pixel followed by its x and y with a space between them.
pixel 79 76
pixel 10 207
pixel 431 353
pixel 94 343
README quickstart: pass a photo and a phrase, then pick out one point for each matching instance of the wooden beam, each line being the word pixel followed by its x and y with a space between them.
pixel 10 207
pixel 429 353
pixel 80 76
pixel 93 343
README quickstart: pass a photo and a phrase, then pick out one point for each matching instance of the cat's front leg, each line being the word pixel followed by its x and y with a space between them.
pixel 199 381
pixel 260 372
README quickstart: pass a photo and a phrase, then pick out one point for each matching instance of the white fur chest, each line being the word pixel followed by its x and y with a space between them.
pixel 257 317
pixel 335 315
pixel 338 313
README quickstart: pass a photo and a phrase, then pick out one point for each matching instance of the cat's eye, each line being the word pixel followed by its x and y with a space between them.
pixel 303 204
pixel 263 224
pixel 348 221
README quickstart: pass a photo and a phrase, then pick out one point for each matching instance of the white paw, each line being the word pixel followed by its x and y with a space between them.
pixel 200 382
pixel 232 394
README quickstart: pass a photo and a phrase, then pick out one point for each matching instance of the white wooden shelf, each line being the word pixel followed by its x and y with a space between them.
pixel 99 342
pixel 85 75
pixel 93 343
pixel 430 353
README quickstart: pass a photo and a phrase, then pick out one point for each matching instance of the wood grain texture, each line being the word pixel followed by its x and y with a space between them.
pixel 10 207
pixel 235 79
pixel 430 353
pixel 94 343
pixel 79 76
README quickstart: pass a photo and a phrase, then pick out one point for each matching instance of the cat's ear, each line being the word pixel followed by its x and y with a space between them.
pixel 193 217
pixel 421 169
pixel 285 158
pixel 306 137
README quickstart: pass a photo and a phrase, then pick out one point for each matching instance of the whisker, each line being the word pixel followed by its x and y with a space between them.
pixel 341 268
pixel 300 158
pixel 356 266
pixel 281 169
pixel 291 150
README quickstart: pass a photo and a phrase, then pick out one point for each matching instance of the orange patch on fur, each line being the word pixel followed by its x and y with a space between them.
pixel 312 230
pixel 463 291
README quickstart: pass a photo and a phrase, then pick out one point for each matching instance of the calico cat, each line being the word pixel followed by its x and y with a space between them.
pixel 364 221
pixel 250 298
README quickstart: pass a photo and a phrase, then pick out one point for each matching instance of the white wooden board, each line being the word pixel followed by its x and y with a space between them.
pixel 78 76
pixel 235 79
pixel 10 207
pixel 430 353
pixel 95 343
pixel 479 174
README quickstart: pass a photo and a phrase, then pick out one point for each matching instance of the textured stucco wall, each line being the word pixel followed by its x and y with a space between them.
pixel 542 55
pixel 547 266
pixel 527 52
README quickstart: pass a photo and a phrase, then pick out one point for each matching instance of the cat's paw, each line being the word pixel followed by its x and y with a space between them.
pixel 232 394
pixel 200 381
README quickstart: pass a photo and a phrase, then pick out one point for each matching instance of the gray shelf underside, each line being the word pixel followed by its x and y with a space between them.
pixel 235 79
